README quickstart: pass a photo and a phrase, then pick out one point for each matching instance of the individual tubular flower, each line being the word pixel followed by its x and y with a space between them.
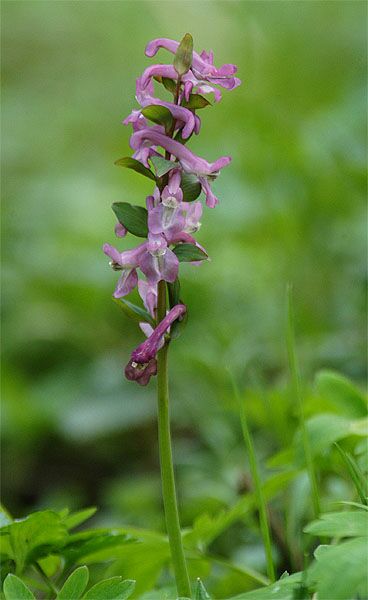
pixel 202 67
pixel 127 262
pixel 184 118
pixel 153 257
pixel 158 262
pixel 190 162
pixel 191 83
pixel 142 364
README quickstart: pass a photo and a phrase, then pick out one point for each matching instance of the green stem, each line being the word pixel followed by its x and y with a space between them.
pixel 296 387
pixel 166 460
pixel 45 578
pixel 261 504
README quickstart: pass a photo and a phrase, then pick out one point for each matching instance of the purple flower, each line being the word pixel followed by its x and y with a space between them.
pixel 202 68
pixel 144 94
pixel 142 364
pixel 141 373
pixel 190 162
pixel 159 262
pixel 126 262
pixel 154 258
pixel 148 293
pixel 120 230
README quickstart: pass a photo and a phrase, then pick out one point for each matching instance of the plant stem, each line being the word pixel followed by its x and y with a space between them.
pixel 295 381
pixel 166 460
pixel 46 579
pixel 261 504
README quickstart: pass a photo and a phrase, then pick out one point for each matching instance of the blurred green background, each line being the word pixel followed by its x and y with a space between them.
pixel 292 210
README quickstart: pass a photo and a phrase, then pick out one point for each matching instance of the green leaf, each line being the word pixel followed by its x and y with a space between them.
pixel 143 561
pixel 162 166
pixel 78 517
pixel 134 218
pixel 283 589
pixel 184 55
pixel 190 186
pixel 75 585
pixel 196 101
pixel 159 114
pixel 200 592
pixel 326 428
pixel 84 546
pixel 133 311
pixel 34 537
pixel 341 394
pixel 131 163
pixel 15 589
pixel 206 528
pixel 341 571
pixel 189 253
pixel 111 589
pixel 169 84
pixel 340 524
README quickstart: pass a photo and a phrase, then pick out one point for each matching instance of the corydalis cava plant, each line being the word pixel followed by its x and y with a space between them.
pixel 161 132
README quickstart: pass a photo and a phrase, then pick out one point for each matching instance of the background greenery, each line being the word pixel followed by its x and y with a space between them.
pixel 292 207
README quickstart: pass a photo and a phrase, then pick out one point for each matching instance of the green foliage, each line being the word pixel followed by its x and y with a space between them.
pixel 189 253
pixel 75 585
pixel 162 166
pixel 169 84
pixel 291 206
pixel 131 163
pixel 26 540
pixel 342 395
pixel 160 115
pixel 134 218
pixel 184 55
pixel 200 592
pixel 15 589
pixel 196 101
pixel 341 570
pixel 137 313
pixel 111 589
pixel 190 186
pixel 340 524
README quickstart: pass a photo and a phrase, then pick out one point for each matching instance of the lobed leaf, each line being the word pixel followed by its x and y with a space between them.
pixel 34 537
pixel 131 163
pixel 134 218
pixel 341 568
pixel 340 524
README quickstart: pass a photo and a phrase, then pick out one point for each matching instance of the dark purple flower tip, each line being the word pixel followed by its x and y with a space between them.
pixel 141 373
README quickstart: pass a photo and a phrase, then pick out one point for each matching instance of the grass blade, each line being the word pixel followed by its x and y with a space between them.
pixel 260 501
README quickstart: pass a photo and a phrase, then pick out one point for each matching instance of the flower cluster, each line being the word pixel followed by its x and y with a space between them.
pixel 172 213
